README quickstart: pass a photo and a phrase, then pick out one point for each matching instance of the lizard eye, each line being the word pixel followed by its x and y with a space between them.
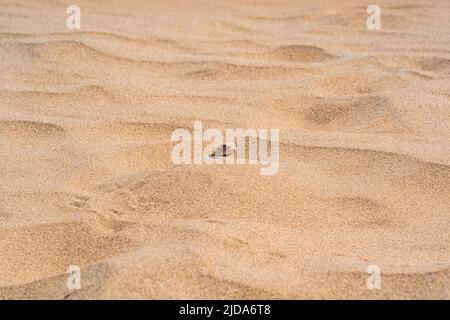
pixel 223 150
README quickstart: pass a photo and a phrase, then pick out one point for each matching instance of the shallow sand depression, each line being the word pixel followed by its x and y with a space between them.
pixel 86 176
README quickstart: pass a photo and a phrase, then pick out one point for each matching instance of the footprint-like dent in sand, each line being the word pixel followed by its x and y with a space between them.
pixel 367 113
pixel 435 64
pixel 301 53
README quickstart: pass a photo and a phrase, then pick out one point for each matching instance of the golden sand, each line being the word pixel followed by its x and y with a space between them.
pixel 87 178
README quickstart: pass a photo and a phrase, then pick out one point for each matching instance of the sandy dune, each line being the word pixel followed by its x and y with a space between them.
pixel 86 175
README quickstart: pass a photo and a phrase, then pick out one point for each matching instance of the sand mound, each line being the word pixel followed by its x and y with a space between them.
pixel 44 250
pixel 31 131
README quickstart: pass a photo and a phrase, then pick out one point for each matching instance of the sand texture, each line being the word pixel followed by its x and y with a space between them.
pixel 86 176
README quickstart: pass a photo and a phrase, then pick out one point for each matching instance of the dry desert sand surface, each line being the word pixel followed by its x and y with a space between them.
pixel 87 178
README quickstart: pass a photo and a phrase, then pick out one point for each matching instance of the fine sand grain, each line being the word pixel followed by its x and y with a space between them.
pixel 86 118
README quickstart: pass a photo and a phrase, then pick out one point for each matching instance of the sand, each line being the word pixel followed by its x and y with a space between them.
pixel 86 118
